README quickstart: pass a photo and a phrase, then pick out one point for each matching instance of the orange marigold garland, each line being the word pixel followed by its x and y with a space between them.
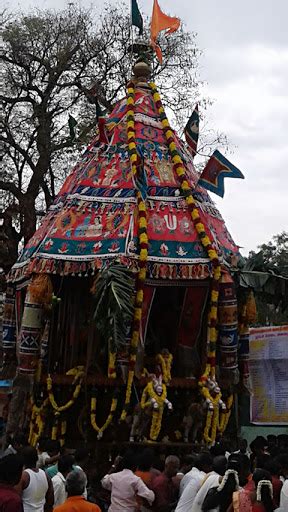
pixel 135 162
pixel 212 254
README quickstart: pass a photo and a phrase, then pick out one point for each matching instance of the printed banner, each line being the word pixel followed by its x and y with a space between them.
pixel 268 364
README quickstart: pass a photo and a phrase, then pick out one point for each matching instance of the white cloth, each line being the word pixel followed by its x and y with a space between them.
pixel 34 496
pixel 194 473
pixel 212 480
pixel 192 484
pixel 60 494
pixel 125 487
pixel 9 451
pixel 42 457
pixel 284 496
pixel 247 453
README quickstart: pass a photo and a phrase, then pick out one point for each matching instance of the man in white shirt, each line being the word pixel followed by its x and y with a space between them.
pixel 191 482
pixel 211 480
pixel 125 487
pixel 65 466
pixel 202 465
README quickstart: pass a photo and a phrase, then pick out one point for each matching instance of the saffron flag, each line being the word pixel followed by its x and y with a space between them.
pixel 72 123
pixel 136 16
pixel 191 131
pixel 218 168
pixel 159 22
pixel 101 123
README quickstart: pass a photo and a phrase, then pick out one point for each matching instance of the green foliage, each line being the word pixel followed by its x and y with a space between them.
pixel 273 256
pixel 272 300
pixel 114 294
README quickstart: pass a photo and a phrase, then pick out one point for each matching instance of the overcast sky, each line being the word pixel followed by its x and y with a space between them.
pixel 245 63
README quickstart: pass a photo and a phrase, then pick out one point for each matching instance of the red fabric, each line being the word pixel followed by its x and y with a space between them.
pixel 250 486
pixel 149 292
pixel 10 500
pixel 191 316
pixel 277 486
pixel 257 507
pixel 165 491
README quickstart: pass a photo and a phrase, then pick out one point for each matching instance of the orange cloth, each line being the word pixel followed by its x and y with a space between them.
pixel 159 22
pixel 146 476
pixel 77 504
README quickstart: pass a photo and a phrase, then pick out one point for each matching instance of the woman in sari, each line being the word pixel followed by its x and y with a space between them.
pixel 258 500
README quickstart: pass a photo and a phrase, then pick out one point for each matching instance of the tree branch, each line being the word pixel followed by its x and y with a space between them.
pixel 9 186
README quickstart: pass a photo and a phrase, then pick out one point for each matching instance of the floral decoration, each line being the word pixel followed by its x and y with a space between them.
pixel 98 429
pixel 209 247
pixel 135 163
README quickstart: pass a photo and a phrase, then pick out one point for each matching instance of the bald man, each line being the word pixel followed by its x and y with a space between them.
pixel 164 488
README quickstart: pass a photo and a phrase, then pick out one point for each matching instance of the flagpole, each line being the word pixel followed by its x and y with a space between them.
pixel 132 37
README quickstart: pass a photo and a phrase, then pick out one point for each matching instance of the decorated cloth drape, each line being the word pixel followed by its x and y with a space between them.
pixel 94 220
pixel 227 324
pixel 39 293
pixel 189 329
pixel 247 316
pixel 149 293
pixel 9 327
pixel 30 337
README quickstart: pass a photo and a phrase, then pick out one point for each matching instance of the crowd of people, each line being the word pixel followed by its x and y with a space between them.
pixel 45 479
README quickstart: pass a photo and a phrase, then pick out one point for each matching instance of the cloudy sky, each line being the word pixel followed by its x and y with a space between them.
pixel 245 64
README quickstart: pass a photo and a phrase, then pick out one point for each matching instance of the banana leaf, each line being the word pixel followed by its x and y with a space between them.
pixel 114 304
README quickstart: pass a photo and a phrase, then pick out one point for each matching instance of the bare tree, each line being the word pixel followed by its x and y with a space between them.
pixel 53 63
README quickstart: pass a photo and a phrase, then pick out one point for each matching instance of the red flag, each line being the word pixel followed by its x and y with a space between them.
pixel 159 22
pixel 214 172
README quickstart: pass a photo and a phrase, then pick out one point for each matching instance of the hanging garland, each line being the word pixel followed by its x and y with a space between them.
pixel 98 429
pixel 156 423
pixel 207 244
pixel 37 424
pixel 165 359
pixel 225 415
pixel 78 373
pixel 54 432
pixel 112 365
pixel 63 430
pixel 150 397
pixel 143 242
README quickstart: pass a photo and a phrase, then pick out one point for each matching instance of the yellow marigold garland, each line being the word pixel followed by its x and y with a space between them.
pixel 111 365
pixel 37 424
pixel 98 429
pixel 78 373
pixel 166 365
pixel 135 162
pixel 225 415
pixel 54 432
pixel 63 429
pixel 150 394
pixel 205 241
pixel 208 424
pixel 156 423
